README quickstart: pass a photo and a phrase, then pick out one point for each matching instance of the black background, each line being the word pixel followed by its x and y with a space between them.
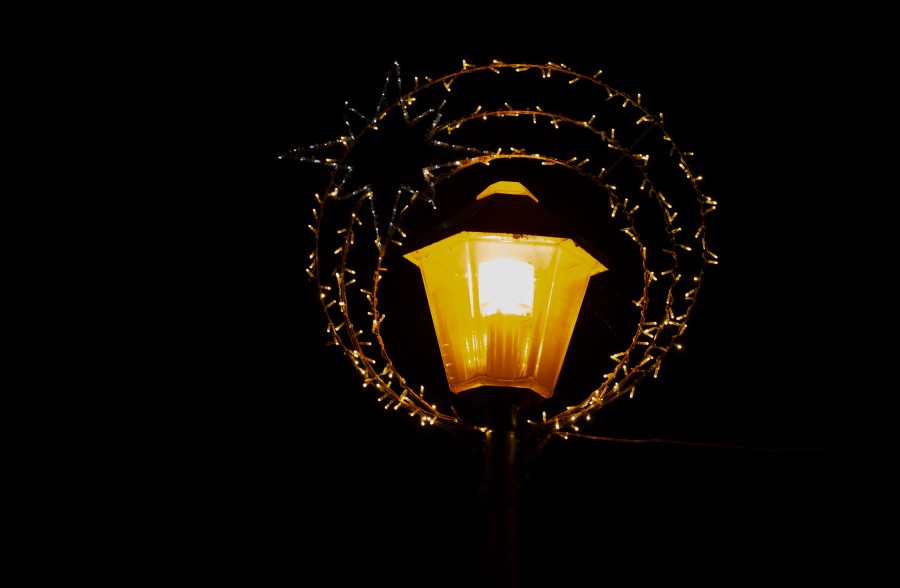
pixel 775 451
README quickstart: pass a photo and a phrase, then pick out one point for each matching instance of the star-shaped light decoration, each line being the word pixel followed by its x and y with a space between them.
pixel 405 163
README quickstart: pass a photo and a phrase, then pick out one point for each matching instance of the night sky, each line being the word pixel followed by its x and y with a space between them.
pixel 769 452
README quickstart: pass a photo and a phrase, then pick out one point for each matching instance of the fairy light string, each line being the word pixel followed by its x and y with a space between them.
pixel 355 235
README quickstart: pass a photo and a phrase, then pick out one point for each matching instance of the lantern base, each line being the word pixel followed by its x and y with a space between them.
pixel 488 401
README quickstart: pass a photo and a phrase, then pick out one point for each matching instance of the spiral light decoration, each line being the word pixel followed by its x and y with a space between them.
pixel 646 185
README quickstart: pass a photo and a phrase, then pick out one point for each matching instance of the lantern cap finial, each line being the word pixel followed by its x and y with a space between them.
pixel 513 188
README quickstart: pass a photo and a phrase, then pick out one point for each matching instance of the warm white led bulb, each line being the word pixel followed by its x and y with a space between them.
pixel 506 286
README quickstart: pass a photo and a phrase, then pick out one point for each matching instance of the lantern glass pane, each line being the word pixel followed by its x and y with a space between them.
pixel 504 306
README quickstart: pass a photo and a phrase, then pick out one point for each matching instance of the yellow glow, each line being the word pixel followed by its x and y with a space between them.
pixel 489 336
pixel 505 286
pixel 504 305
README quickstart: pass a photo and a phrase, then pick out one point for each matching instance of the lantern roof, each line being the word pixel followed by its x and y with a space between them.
pixel 510 208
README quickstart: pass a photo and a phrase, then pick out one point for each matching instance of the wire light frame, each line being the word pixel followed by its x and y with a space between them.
pixel 644 180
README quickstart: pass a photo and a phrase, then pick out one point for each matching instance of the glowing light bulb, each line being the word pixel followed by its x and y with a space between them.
pixel 506 286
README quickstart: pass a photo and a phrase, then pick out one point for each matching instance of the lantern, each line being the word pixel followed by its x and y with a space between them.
pixel 505 280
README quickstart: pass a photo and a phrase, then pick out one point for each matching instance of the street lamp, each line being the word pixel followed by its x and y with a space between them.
pixel 502 353
pixel 505 280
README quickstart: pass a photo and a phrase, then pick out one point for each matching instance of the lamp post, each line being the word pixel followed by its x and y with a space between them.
pixel 505 280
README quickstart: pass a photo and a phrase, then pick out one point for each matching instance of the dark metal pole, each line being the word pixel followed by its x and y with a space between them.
pixel 502 494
